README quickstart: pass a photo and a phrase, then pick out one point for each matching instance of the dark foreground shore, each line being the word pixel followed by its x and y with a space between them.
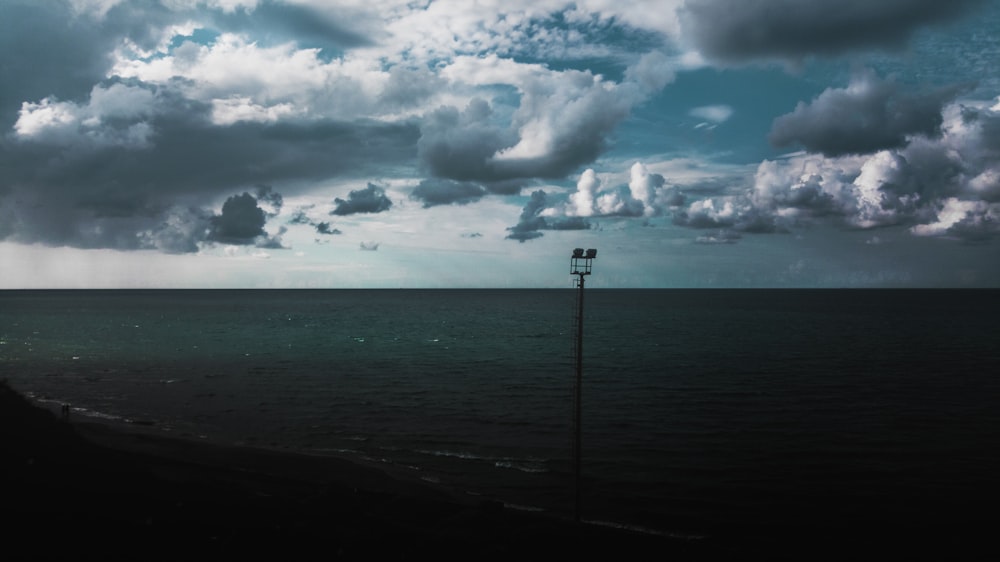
pixel 73 490
pixel 85 491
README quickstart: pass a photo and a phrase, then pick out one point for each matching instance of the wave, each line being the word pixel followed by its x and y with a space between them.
pixel 53 403
pixel 453 454
pixel 521 507
pixel 530 465
pixel 530 468
pixel 646 530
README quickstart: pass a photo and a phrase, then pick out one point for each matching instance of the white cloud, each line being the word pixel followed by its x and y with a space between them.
pixel 581 203
pixel 224 5
pixel 232 110
pixel 242 78
pixel 36 118
pixel 720 211
pixel 94 8
pixel 947 186
pixel 714 113
pixel 446 28
pixel 979 216
pixel 114 116
pixel 643 185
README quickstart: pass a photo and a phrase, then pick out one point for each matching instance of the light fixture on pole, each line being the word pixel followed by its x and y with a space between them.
pixel 579 265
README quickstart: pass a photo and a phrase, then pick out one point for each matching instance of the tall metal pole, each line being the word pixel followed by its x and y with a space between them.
pixel 580 265
pixel 577 400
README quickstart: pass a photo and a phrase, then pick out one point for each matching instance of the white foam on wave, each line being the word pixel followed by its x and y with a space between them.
pixel 96 414
pixel 453 454
pixel 531 468
pixel 521 507
pixel 645 530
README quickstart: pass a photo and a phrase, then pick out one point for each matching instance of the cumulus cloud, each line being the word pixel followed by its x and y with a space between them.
pixel 644 196
pixel 300 216
pixel 972 221
pixel 446 192
pixel 325 228
pixel 532 222
pixel 240 222
pixel 125 128
pixel 793 29
pixel 562 120
pixel 115 115
pixel 581 203
pixel 644 185
pixel 869 115
pixel 136 117
pixel 316 25
pixel 943 186
pixel 371 199
pixel 180 232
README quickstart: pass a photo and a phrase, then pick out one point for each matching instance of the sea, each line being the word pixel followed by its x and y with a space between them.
pixel 704 413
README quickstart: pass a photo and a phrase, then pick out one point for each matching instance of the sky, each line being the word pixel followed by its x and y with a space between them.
pixel 461 143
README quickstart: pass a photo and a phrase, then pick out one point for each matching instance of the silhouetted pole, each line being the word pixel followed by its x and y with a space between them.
pixel 577 399
pixel 580 264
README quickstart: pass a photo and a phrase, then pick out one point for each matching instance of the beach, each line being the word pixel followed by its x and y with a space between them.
pixel 87 491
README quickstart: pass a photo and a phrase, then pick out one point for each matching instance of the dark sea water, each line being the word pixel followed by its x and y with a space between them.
pixel 705 412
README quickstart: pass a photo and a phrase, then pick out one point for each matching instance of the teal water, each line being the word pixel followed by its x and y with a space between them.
pixel 704 411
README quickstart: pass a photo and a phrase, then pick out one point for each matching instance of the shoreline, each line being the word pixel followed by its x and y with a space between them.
pixel 90 489
pixel 95 490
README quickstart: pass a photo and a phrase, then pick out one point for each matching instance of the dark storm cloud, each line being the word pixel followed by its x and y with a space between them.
pixel 268 195
pixel 869 115
pixel 310 27
pixel 458 144
pixel 324 228
pixel 140 176
pixel 371 199
pixel 467 145
pixel 47 51
pixel 299 216
pixel 792 29
pixel 988 123
pixel 83 188
pixel 531 222
pixel 241 221
pixel 446 192
pixel 180 231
